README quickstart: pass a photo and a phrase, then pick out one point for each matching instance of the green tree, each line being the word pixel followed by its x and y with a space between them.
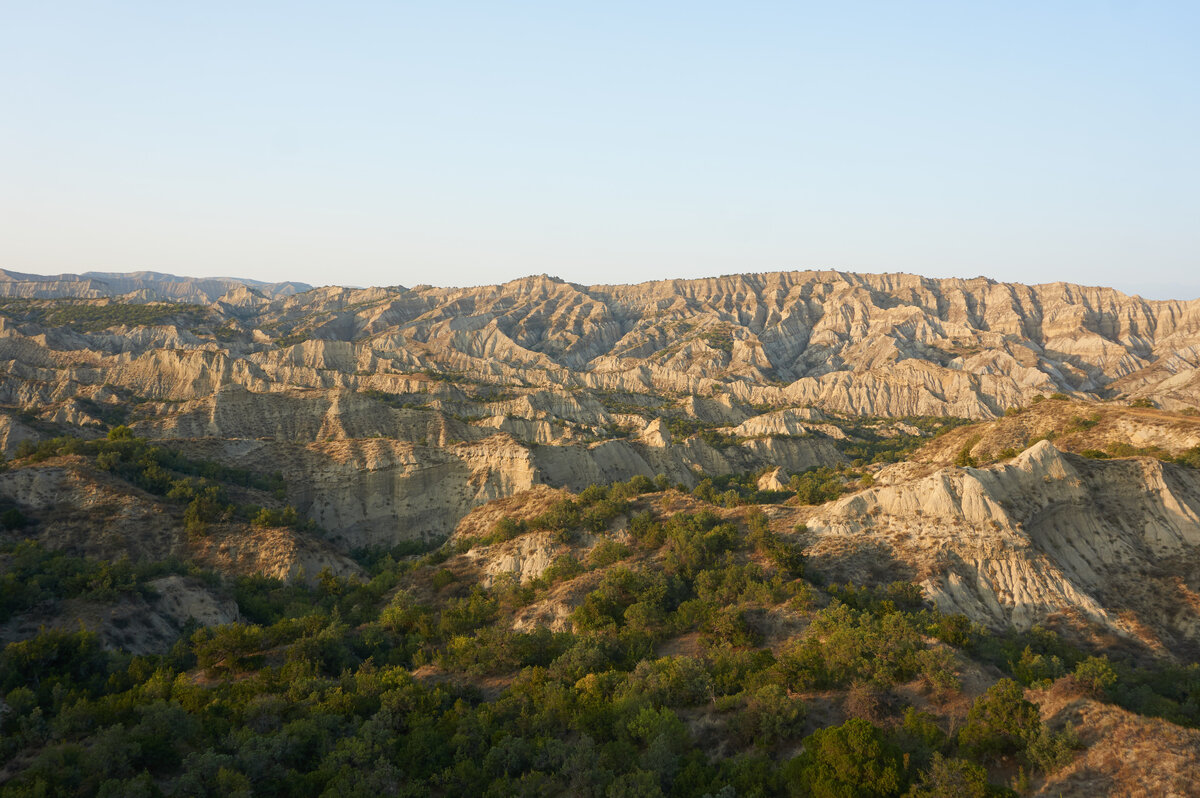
pixel 951 778
pixel 1095 675
pixel 770 716
pixel 853 760
pixel 1001 721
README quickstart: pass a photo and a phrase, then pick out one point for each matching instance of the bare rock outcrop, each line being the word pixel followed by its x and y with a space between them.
pixel 888 344
pixel 775 479
pixel 1047 534
pixel 138 624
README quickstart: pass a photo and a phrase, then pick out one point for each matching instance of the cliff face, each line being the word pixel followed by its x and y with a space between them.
pixel 397 410
pixel 140 286
pixel 378 491
pixel 863 344
pixel 1027 455
pixel 1111 544
pixel 392 412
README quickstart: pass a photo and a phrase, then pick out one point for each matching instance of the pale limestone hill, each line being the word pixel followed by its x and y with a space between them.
pixel 140 286
pixel 890 345
pixel 1112 545
pixel 493 389
pixel 92 513
pixel 392 413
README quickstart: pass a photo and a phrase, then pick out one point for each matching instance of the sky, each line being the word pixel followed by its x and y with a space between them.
pixel 454 143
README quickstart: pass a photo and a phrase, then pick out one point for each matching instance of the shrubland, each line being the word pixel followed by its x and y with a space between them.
pixel 706 656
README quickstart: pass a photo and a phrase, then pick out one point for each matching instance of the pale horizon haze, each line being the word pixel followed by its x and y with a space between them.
pixel 451 143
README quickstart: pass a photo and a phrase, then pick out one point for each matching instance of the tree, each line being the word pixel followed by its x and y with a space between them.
pixel 951 778
pixel 848 761
pixel 769 717
pixel 964 459
pixel 207 505
pixel 120 433
pixel 638 784
pixel 1095 675
pixel 1001 721
pixel 12 518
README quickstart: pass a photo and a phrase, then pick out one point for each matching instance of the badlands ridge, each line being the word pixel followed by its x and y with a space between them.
pixel 393 413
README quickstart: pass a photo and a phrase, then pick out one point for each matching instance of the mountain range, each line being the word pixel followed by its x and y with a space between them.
pixel 1028 457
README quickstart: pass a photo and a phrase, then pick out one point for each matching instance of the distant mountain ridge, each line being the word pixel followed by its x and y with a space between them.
pixel 391 413
pixel 143 286
pixel 865 344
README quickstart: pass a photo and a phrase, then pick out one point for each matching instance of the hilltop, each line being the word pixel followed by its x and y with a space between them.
pixel 719 499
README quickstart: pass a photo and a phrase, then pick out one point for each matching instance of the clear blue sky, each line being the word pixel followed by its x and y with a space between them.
pixel 463 143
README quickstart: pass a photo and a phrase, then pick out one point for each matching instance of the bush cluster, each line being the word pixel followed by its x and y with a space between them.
pixel 317 692
pixel 199 485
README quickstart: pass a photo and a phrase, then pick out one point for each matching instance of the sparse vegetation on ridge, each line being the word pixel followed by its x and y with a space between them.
pixel 90 316
pixel 200 485
pixel 389 674
pixel 635 638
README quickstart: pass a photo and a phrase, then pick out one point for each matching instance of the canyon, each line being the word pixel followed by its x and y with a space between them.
pixel 1027 456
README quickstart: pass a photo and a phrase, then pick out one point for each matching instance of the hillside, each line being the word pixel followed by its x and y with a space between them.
pixel 783 534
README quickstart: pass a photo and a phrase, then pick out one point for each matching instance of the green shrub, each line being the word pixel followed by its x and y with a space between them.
pixel 1048 751
pixel 285 517
pixel 232 648
pixel 618 590
pixel 1190 458
pixel 843 645
pixel 1096 676
pixel 853 760
pixel 816 486
pixel 919 735
pixel 607 552
pixel 670 681
pixel 1038 669
pixel 1000 722
pixel 563 567
pixel 769 717
pixel 467 614
pixel 13 518
pixel 31 574
pixel 964 458
pixel 53 659
pixel 951 778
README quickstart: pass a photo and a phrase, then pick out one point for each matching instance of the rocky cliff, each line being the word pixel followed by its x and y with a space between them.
pixel 485 391
pixel 392 412
pixel 1106 543
pixel 433 459
pixel 864 344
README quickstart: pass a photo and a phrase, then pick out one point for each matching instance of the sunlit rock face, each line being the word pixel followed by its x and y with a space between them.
pixel 890 344
pixel 1111 543
pixel 393 412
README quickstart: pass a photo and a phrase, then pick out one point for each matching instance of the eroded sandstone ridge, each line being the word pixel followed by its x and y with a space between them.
pixel 891 344
pixel 1108 543
pixel 369 397
pixel 390 413
pixel 785 477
